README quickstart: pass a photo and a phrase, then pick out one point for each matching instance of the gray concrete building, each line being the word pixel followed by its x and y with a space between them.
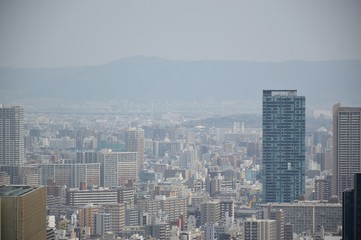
pixel 11 135
pixel 346 146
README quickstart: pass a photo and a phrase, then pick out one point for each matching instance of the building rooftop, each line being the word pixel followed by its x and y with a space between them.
pixel 304 203
pixel 15 190
pixel 279 92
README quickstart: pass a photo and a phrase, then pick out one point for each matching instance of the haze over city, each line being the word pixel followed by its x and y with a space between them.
pixel 78 33
pixel 181 120
pixel 246 45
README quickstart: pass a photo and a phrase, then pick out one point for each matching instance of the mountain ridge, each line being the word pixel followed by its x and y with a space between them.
pixel 143 78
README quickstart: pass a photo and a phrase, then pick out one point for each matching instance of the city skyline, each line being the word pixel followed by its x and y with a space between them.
pixel 187 167
pixel 189 120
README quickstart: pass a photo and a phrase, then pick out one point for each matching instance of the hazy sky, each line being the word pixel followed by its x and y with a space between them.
pixel 70 33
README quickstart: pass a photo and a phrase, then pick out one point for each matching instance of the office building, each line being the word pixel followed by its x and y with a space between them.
pixel 307 215
pixel 288 230
pixel 71 175
pixel 11 135
pixel 4 178
pixel 119 168
pixel 14 172
pixel 50 228
pixel 159 231
pixel 346 146
pixel 227 211
pixel 283 124
pixel 78 197
pixel 102 223
pixel 87 157
pixel 188 158
pixel 254 229
pixel 214 185
pixel 319 158
pixel 209 231
pixel 126 195
pixel 160 148
pixel 323 187
pixel 279 216
pixel 86 216
pixel 351 211
pixel 210 213
pixel 30 175
pixel 134 141
pixel 62 143
pixel 23 212
pixel 172 206
pixel 117 216
pixel 132 217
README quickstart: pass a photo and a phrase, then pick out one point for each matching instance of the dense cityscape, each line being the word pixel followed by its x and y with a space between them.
pixel 165 175
pixel 180 120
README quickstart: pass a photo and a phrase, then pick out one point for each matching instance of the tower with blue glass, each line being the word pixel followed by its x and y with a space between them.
pixel 283 160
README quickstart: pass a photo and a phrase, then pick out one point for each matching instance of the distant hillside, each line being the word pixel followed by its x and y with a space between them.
pixel 141 78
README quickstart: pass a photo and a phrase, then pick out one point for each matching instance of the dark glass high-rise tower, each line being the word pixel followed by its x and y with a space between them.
pixel 283 123
pixel 351 210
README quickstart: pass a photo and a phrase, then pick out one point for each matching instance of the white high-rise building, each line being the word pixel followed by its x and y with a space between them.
pixel 11 135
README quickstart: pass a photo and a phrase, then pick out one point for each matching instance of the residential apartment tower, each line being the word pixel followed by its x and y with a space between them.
pixel 283 124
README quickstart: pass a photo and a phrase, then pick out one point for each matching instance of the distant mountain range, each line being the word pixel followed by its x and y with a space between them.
pixel 144 78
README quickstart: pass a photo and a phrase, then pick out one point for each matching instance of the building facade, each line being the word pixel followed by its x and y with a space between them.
pixel 283 124
pixel 351 211
pixel 279 217
pixel 70 175
pixel 306 216
pixel 23 212
pixel 172 206
pixel 323 187
pixel 119 168
pixel 346 146
pixel 255 229
pixel 78 197
pixel 11 136
pixel 134 141
pixel 210 212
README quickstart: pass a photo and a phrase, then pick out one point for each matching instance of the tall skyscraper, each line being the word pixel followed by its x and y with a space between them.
pixel 351 211
pixel 134 141
pixel 283 124
pixel 346 146
pixel 11 135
